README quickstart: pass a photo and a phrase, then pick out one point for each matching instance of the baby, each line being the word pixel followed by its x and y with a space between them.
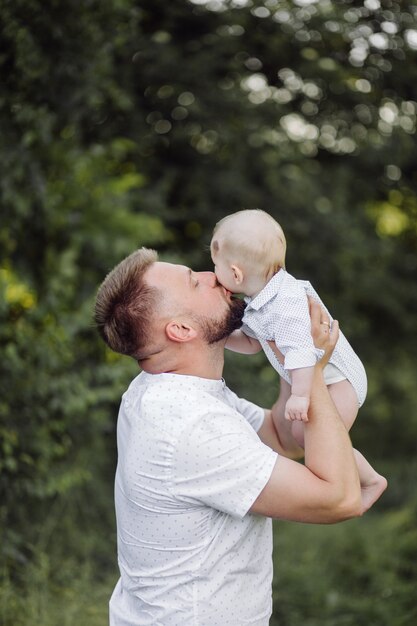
pixel 248 251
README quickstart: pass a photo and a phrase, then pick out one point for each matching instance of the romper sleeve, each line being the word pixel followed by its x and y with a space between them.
pixel 291 331
pixel 248 331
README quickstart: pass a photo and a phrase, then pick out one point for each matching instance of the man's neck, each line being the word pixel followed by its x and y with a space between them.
pixel 205 363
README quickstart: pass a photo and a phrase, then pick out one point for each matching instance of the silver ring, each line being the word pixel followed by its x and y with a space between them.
pixel 325 323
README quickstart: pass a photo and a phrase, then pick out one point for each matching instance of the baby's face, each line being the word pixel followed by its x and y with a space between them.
pixel 224 273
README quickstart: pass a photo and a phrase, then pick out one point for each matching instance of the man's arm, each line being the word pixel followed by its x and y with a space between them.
pixel 326 489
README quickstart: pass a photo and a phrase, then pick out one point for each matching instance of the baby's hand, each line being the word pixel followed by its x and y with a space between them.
pixel 296 408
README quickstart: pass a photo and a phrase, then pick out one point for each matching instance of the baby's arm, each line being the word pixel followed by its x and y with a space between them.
pixel 299 401
pixel 238 341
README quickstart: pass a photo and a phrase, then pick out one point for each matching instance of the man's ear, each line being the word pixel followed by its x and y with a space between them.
pixel 179 331
pixel 237 274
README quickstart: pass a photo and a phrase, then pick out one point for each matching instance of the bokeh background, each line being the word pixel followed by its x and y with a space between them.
pixel 142 122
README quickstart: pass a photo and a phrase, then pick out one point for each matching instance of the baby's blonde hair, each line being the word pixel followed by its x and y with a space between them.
pixel 251 239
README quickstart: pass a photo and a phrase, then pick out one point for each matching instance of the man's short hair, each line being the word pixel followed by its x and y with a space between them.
pixel 125 304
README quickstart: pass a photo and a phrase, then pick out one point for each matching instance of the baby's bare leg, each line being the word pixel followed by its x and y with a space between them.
pixel 372 483
pixel 346 401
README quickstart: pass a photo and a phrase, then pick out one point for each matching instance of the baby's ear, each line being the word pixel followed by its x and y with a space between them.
pixel 237 274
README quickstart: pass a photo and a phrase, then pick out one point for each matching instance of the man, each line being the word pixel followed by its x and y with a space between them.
pixel 201 472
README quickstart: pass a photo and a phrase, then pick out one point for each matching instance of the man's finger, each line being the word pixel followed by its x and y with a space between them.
pixel 315 311
pixel 334 333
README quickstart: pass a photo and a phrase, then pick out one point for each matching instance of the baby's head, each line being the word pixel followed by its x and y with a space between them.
pixel 247 249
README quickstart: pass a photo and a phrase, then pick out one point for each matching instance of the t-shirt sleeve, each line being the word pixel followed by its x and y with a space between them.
pixel 252 413
pixel 221 462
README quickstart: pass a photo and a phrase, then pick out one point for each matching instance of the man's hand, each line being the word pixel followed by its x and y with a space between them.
pixel 297 408
pixel 324 335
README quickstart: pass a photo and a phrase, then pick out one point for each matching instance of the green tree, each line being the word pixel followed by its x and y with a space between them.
pixel 308 110
pixel 68 215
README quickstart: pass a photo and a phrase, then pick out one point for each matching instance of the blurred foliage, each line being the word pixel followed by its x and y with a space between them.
pixel 142 122
pixel 361 573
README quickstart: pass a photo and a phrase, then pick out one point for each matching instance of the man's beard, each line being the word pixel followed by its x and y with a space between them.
pixel 217 330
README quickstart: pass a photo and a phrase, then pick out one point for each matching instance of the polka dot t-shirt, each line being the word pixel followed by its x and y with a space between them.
pixel 190 465
pixel 280 313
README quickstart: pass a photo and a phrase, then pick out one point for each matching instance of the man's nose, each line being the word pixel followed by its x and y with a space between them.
pixel 209 278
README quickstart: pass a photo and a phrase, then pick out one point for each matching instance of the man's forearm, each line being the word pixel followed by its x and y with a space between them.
pixel 323 490
pixel 328 450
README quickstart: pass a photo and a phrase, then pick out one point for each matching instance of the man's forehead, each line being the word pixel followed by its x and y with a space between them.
pixel 161 271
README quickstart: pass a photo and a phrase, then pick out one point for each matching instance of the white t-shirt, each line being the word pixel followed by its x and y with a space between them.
pixel 280 313
pixel 190 465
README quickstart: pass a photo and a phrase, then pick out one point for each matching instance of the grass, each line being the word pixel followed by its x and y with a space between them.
pixel 359 573
pixel 56 594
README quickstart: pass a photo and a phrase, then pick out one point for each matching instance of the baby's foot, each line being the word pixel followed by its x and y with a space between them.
pixel 372 490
